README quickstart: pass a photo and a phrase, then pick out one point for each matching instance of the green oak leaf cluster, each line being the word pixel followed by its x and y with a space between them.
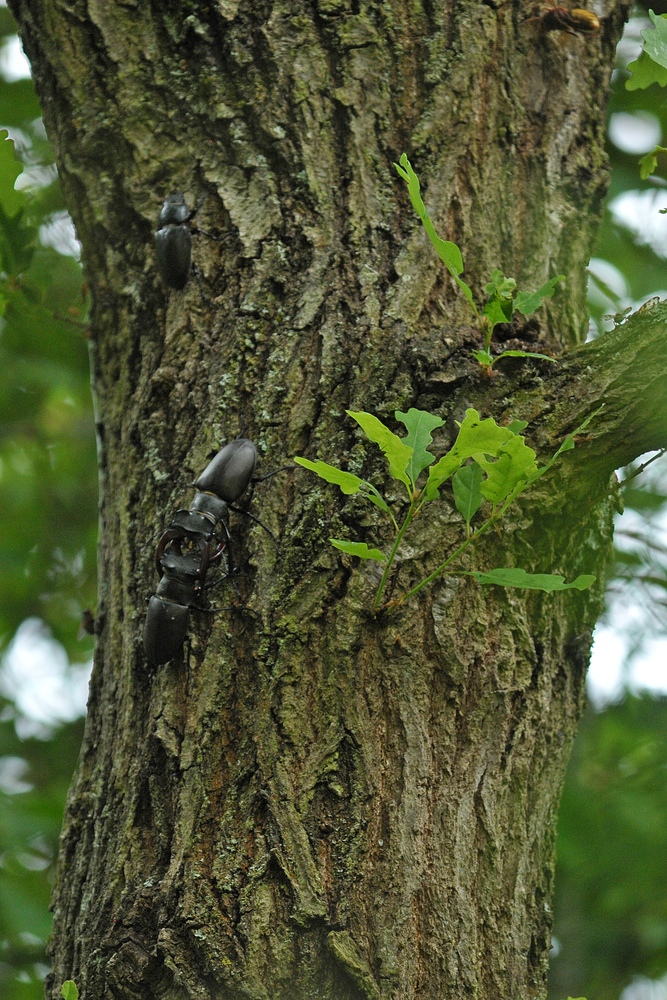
pixel 488 467
pixel 648 163
pixel 503 297
pixel 650 67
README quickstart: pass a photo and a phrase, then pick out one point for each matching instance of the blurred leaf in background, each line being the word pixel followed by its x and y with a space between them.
pixel 611 885
pixel 610 908
pixel 34 777
pixel 48 480
pixel 48 521
pixel 628 267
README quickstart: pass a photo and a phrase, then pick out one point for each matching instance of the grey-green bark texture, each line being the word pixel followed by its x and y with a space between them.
pixel 311 801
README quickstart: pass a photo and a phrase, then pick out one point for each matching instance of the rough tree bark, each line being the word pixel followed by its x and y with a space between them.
pixel 312 802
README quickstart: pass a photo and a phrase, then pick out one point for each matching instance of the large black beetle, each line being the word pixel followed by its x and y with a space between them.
pixel 193 540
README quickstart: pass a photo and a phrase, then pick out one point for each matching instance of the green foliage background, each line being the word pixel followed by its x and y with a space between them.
pixel 611 906
pixel 611 903
pixel 48 515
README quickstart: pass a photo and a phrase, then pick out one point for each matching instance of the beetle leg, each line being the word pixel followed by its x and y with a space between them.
pixel 226 545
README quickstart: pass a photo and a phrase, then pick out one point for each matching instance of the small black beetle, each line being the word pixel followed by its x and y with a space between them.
pixel 173 241
pixel 194 539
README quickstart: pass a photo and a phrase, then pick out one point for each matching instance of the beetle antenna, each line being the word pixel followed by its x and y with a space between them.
pixel 260 479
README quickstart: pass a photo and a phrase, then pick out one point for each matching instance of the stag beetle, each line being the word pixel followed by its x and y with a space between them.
pixel 173 240
pixel 193 540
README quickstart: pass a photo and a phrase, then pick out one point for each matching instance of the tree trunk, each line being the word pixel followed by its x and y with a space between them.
pixel 312 801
